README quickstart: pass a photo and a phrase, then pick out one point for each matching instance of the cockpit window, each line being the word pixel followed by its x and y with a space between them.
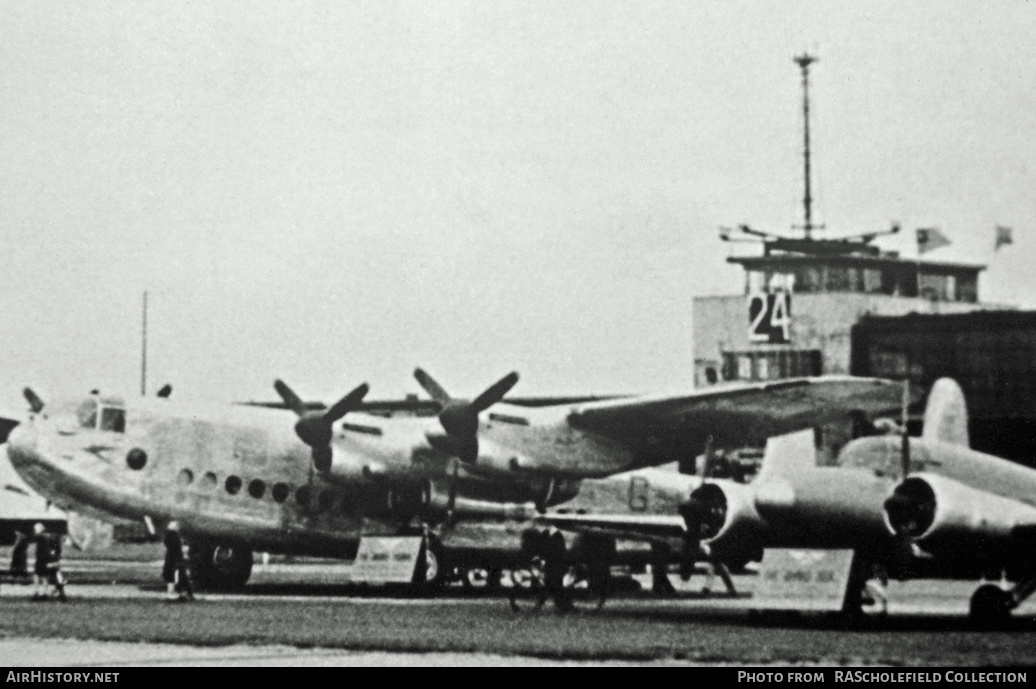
pixel 111 414
pixel 113 419
pixel 87 414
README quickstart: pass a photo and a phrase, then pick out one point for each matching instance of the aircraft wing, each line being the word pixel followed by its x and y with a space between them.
pixel 622 525
pixel 423 407
pixel 737 414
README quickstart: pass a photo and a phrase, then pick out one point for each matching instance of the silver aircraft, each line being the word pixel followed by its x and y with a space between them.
pixel 244 479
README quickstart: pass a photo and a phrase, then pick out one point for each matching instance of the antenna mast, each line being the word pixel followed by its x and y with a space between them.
pixel 804 61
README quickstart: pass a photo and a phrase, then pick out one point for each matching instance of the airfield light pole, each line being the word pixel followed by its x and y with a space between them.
pixel 143 350
pixel 804 61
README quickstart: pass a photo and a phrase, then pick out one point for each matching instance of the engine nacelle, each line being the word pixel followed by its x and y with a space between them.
pixel 497 461
pixel 939 513
pixel 827 507
pixel 722 515
pixel 436 501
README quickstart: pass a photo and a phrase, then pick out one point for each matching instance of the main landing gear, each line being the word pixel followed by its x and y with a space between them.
pixel 220 566
pixel 991 605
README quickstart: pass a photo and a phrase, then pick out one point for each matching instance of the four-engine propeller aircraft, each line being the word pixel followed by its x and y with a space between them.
pixel 240 479
pixel 916 505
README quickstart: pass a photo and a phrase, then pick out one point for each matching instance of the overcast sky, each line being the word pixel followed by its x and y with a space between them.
pixel 334 192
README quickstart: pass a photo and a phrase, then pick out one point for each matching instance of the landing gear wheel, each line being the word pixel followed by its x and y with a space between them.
pixel 220 566
pixel 583 587
pixel 990 606
pixel 528 590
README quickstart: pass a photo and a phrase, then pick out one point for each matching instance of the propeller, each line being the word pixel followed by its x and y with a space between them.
pixel 35 403
pixel 315 428
pixel 459 418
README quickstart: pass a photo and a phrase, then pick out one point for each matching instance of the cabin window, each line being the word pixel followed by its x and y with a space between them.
pixel 280 492
pixel 136 459
pixel 302 496
pixel 185 477
pixel 326 501
pixel 232 484
pixel 257 489
pixel 208 481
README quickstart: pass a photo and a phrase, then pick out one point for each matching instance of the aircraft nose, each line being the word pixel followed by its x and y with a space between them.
pixel 21 445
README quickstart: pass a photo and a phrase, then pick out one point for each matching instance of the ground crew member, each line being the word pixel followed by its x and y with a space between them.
pixel 555 558
pixel 20 555
pixel 174 570
pixel 47 570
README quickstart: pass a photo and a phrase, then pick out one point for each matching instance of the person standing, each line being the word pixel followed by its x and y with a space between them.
pixel 174 570
pixel 47 569
pixel 20 555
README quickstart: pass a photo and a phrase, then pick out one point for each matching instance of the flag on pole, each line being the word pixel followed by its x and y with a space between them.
pixel 1003 237
pixel 929 239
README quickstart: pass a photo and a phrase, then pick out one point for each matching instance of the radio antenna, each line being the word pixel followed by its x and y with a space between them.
pixel 804 61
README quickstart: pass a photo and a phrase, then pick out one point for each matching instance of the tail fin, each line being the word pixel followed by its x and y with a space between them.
pixel 789 454
pixel 946 415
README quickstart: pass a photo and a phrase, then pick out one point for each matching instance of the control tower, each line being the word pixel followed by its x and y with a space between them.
pixel 802 294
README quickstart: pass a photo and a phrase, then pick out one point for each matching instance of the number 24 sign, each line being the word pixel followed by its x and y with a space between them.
pixel 769 318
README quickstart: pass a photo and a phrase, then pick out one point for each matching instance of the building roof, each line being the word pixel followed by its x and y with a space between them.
pixel 792 260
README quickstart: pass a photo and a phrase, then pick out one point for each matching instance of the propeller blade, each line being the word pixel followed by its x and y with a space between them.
pixel 350 402
pixel 495 392
pixel 322 459
pixel 293 401
pixel 431 387
pixel 35 403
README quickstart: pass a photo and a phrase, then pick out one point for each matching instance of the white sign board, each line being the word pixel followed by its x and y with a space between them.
pixel 386 559
pixel 791 579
